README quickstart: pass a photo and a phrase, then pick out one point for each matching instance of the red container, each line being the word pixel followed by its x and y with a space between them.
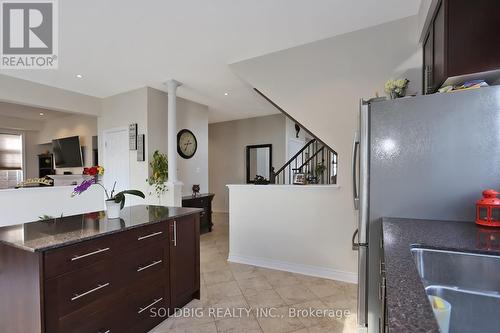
pixel 488 209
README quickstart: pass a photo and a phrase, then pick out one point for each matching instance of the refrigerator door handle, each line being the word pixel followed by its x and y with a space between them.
pixel 355 192
pixel 355 245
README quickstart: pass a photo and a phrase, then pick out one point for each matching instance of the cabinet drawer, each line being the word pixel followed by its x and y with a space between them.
pixel 81 288
pixel 106 321
pixel 73 257
pixel 143 305
pixel 146 235
pixel 143 262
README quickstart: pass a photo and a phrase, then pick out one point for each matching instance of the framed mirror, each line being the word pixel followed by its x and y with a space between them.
pixel 259 163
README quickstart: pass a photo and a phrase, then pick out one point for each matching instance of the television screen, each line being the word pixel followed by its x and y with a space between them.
pixel 67 152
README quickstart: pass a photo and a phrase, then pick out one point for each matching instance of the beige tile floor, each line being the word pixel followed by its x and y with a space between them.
pixel 227 286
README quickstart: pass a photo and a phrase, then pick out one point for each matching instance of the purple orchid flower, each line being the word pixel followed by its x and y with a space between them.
pixel 83 186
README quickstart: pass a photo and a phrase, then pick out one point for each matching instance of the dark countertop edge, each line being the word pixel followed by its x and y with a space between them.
pixel 408 308
pixel 83 239
pixel 202 195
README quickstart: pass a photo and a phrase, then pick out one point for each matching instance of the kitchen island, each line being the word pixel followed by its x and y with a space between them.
pixel 408 307
pixel 85 273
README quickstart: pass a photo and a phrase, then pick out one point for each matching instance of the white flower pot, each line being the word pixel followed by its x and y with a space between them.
pixel 112 209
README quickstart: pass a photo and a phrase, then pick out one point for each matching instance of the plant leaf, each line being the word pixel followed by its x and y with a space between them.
pixel 133 192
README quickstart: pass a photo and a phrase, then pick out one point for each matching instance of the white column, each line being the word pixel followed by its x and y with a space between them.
pixel 174 187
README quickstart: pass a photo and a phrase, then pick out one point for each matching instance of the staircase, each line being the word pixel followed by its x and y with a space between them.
pixel 317 162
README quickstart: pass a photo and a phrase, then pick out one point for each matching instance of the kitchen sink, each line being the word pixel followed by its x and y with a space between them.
pixel 469 282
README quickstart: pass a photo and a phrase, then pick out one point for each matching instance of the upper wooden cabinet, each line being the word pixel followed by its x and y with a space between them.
pixel 462 39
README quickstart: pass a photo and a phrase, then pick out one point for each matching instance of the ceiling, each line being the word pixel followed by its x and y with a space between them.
pixel 28 112
pixel 120 45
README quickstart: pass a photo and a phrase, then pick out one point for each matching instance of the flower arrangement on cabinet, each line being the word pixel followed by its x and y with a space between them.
pixel 396 88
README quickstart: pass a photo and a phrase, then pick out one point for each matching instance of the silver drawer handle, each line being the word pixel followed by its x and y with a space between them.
pixel 108 331
pixel 89 254
pixel 140 269
pixel 141 310
pixel 99 287
pixel 150 235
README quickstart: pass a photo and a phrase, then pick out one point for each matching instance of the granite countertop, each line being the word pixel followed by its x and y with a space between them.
pixel 50 234
pixel 407 304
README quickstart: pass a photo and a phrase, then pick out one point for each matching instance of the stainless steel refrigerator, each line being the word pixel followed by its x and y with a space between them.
pixel 426 157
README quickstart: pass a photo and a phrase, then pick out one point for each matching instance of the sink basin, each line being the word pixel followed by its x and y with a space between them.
pixel 469 282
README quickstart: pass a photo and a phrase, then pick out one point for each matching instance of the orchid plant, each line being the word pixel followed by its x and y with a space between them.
pixel 95 172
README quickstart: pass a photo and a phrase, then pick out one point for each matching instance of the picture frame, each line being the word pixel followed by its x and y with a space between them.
pixel 299 179
pixel 141 157
pixel 132 136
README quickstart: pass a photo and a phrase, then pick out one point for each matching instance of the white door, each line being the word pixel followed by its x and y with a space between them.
pixel 116 159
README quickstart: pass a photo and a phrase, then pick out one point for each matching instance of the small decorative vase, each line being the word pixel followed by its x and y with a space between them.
pixel 112 209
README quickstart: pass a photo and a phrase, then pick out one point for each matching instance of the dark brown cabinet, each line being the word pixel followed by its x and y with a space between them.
pixel 111 283
pixel 184 261
pixel 203 201
pixel 462 39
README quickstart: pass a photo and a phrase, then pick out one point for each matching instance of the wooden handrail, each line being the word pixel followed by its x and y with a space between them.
pixel 310 158
pixel 295 156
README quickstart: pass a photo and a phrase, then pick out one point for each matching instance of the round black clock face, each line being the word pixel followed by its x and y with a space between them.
pixel 186 143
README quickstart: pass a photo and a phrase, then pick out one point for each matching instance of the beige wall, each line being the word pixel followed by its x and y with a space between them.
pixel 29 93
pixel 148 108
pixel 71 125
pixel 38 135
pixel 227 143
pixel 192 116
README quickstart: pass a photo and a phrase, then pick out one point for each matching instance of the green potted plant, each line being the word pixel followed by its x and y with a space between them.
pixel 159 173
pixel 318 171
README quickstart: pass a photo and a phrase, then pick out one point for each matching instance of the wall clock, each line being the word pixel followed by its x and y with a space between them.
pixel 186 143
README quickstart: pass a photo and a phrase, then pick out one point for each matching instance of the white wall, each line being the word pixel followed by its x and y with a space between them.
pixel 120 111
pixel 148 108
pixel 26 205
pixel 320 85
pixel 194 117
pixel 190 115
pixel 227 151
pixel 14 123
pixel 289 227
pixel 425 13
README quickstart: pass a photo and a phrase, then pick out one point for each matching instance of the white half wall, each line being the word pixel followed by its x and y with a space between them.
pixel 28 204
pixel 294 228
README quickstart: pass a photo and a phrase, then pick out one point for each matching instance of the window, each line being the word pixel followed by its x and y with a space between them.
pixel 11 160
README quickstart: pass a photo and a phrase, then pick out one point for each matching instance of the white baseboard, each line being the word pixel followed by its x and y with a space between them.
pixel 317 271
